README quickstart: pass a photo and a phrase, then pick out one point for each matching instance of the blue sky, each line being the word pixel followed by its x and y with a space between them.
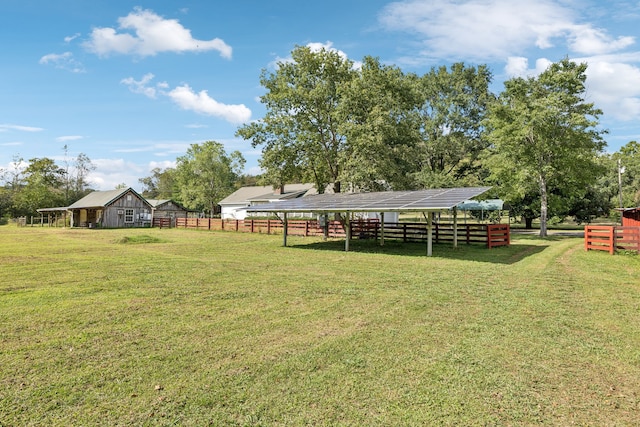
pixel 132 83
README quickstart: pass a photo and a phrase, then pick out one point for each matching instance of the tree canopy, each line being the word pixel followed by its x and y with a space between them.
pixel 206 174
pixel 299 133
pixel 544 136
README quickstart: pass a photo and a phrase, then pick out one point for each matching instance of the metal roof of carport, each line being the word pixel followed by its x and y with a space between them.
pixel 383 201
pixel 432 200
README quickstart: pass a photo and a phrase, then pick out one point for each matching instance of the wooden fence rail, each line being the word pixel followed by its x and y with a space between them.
pixel 492 235
pixel 611 238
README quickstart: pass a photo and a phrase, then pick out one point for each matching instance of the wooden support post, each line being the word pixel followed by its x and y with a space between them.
pixel 381 228
pixel 429 234
pixel 284 228
pixel 455 227
pixel 325 226
pixel 348 232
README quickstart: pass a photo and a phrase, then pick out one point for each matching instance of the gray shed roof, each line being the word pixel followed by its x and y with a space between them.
pixel 157 202
pixel 384 201
pixel 100 199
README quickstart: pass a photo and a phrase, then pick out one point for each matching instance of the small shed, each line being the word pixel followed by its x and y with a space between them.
pixel 631 217
pixel 111 209
pixel 165 208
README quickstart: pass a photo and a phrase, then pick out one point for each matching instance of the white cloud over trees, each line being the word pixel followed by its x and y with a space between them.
pixel 145 33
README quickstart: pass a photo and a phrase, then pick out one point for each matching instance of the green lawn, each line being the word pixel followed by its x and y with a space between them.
pixel 192 328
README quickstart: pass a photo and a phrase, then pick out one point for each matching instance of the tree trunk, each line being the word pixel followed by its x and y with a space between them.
pixel 528 223
pixel 543 207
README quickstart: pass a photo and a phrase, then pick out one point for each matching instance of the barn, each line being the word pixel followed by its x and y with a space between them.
pixel 111 209
pixel 631 217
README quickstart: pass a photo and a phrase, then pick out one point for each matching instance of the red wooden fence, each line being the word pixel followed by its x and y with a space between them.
pixel 610 238
pixel 492 235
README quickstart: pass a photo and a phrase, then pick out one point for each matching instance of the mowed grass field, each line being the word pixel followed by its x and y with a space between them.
pixel 192 328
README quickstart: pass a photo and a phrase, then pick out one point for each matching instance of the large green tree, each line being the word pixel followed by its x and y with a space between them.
pixel 450 126
pixel 376 116
pixel 545 136
pixel 160 184
pixel 627 165
pixel 43 184
pixel 299 133
pixel 206 174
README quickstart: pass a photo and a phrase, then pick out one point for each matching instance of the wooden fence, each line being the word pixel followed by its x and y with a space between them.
pixel 611 238
pixel 492 235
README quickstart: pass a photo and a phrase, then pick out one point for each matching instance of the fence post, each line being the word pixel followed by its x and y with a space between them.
pixel 612 240
pixel 586 237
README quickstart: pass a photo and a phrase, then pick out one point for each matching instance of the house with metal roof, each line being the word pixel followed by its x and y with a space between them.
pixel 111 209
pixel 234 206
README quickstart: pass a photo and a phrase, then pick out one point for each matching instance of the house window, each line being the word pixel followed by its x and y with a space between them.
pixel 128 216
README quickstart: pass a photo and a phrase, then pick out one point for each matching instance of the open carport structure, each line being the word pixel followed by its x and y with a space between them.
pixel 428 202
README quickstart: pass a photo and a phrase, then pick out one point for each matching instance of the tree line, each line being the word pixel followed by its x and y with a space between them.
pixel 42 183
pixel 373 127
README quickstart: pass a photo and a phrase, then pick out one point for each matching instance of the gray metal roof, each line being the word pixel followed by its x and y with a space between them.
pixel 384 201
pixel 263 192
pixel 99 199
pixel 157 202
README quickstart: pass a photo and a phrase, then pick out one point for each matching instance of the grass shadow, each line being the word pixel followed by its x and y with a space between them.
pixel 474 252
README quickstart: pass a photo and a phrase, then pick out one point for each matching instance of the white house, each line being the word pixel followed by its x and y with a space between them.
pixel 232 207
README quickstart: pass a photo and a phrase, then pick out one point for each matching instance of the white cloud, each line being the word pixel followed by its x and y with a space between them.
pixel 69 39
pixel 63 61
pixel 150 34
pixel 202 103
pixel 587 40
pixel 7 127
pixel 187 99
pixel 162 165
pixel 518 66
pixel 142 86
pixel 494 29
pixel 68 138
pixel 110 173
pixel 615 88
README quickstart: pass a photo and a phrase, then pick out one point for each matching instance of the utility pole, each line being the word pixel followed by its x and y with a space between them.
pixel 620 172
